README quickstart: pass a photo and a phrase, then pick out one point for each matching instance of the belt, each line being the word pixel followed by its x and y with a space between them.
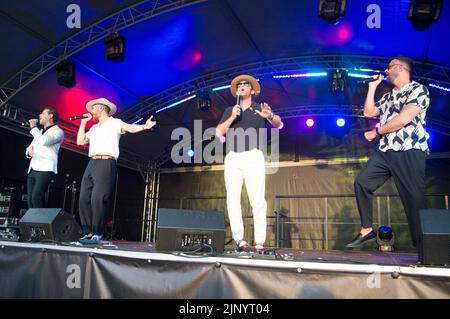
pixel 96 157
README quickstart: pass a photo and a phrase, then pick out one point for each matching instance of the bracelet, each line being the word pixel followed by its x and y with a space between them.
pixel 376 130
pixel 271 117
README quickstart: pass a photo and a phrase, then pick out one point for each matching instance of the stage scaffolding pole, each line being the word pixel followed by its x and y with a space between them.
pixel 149 214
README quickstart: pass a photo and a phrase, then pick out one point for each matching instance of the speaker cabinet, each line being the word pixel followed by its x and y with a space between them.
pixel 434 240
pixel 53 224
pixel 188 230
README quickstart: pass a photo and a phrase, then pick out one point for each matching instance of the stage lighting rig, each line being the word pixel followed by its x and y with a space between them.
pixel 385 239
pixel 338 81
pixel 115 47
pixel 65 72
pixel 332 10
pixel 423 13
pixel 203 100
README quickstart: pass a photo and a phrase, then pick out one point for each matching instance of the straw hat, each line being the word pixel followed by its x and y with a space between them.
pixel 102 101
pixel 244 77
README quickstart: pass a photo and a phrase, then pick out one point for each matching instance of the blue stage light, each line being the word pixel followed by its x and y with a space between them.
pixel 340 122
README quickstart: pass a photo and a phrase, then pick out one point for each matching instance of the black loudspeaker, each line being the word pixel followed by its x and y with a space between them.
pixel 188 230
pixel 65 72
pixel 434 240
pixel 52 224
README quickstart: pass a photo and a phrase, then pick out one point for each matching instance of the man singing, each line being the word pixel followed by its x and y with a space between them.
pixel 402 147
pixel 99 179
pixel 43 152
pixel 245 159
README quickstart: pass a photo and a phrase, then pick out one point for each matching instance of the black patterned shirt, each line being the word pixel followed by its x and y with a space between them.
pixel 412 135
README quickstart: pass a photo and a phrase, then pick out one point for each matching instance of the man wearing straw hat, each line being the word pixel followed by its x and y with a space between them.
pixel 245 159
pixel 99 178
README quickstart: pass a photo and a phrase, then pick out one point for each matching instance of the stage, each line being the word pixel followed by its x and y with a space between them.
pixel 138 270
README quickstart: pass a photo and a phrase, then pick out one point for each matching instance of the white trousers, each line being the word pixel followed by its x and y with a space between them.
pixel 249 167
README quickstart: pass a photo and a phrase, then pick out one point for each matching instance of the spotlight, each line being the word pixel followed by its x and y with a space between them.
pixel 338 81
pixel 115 47
pixel 309 122
pixel 385 238
pixel 332 10
pixel 65 71
pixel 423 13
pixel 340 122
pixel 203 101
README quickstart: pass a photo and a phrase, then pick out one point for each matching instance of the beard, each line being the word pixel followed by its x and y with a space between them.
pixel 391 78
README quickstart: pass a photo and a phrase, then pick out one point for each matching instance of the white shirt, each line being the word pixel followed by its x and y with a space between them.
pixel 45 149
pixel 104 139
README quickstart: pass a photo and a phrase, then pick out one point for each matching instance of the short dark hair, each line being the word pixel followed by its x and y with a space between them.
pixel 408 61
pixel 54 112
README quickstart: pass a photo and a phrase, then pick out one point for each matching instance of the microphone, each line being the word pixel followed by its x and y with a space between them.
pixel 79 117
pixel 369 80
pixel 238 97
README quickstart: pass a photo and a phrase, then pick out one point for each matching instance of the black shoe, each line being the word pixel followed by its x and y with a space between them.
pixel 360 239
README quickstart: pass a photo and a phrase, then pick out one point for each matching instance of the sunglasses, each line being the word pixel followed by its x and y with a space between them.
pixel 243 84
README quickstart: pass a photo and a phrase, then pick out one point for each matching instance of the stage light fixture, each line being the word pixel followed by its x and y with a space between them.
pixel 385 239
pixel 423 13
pixel 203 101
pixel 65 72
pixel 332 10
pixel 310 122
pixel 115 47
pixel 338 81
pixel 340 122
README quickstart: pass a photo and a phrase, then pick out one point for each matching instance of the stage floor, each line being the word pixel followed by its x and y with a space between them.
pixel 324 256
pixel 122 269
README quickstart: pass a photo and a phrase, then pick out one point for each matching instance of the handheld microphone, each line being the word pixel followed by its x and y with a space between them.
pixel 79 117
pixel 369 80
pixel 238 97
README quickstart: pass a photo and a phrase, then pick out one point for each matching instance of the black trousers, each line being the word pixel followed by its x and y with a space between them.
pixel 97 188
pixel 37 185
pixel 407 168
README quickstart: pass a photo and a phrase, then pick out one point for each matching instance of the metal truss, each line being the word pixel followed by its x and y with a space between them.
pixel 150 212
pixel 432 124
pixel 321 110
pixel 438 126
pixel 15 119
pixel 166 154
pixel 99 30
pixel 423 71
